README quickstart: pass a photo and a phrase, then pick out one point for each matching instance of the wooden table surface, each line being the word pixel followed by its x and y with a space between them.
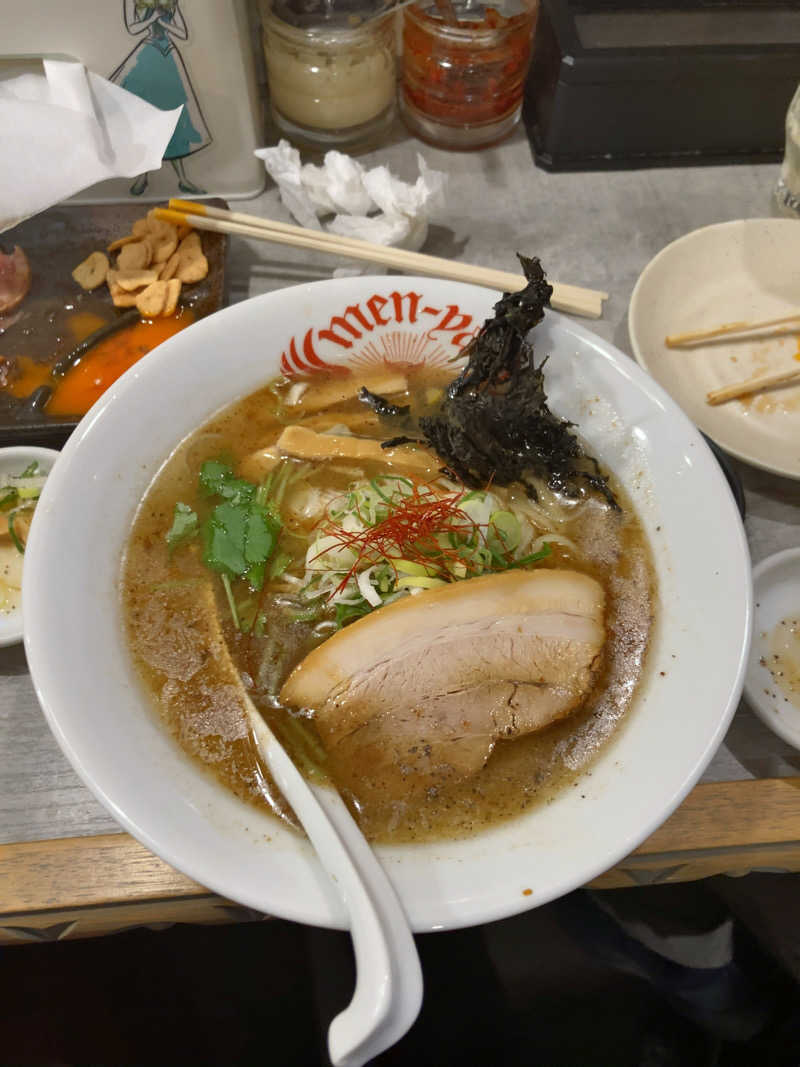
pixel 66 870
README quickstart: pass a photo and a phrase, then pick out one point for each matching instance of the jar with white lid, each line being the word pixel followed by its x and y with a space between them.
pixel 332 74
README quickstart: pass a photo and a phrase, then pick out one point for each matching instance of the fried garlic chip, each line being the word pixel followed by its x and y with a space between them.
pixel 164 246
pixel 130 280
pixel 152 300
pixel 192 264
pixel 92 271
pixel 135 256
pixel 121 242
pixel 169 268
pixel 173 293
pixel 119 297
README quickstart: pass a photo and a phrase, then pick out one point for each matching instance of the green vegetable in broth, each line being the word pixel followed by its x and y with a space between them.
pixel 389 537
pixel 239 536
pixel 216 478
pixel 184 527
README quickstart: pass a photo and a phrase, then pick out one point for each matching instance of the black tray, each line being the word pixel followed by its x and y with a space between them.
pixel 55 241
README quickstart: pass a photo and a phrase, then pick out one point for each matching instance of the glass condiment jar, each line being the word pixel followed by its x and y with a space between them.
pixel 332 74
pixel 462 79
pixel 787 191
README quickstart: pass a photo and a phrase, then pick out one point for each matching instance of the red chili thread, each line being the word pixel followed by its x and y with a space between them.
pixel 409 532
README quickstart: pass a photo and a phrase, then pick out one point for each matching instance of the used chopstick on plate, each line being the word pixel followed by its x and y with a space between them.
pixel 681 340
pixel 571 298
pixel 752 385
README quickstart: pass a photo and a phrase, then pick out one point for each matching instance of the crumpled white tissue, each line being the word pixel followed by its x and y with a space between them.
pixel 68 128
pixel 372 205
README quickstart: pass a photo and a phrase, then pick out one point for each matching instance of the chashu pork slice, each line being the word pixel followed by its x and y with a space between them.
pixel 431 682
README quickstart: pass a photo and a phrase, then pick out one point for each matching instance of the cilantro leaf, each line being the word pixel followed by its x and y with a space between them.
pixel 224 535
pixel 255 574
pixel 213 474
pixel 239 538
pixel 261 534
pixel 217 478
pixel 240 534
pixel 184 526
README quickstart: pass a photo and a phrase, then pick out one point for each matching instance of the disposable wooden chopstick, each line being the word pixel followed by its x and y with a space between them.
pixel 570 298
pixel 679 340
pixel 752 385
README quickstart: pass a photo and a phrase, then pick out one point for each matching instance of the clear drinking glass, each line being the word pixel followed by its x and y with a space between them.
pixel 787 191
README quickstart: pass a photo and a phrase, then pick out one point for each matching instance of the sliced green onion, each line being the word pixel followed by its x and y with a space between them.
pixel 281 481
pixel 278 565
pixel 262 493
pixel 420 583
pixel 367 589
pixel 543 553
pixel 374 483
pixel 508 528
pixel 20 547
pixel 408 567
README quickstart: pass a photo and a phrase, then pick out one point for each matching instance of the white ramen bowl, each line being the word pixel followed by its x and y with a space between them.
pixel 102 717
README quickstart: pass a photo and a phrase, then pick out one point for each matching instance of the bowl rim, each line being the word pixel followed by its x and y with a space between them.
pixel 480 910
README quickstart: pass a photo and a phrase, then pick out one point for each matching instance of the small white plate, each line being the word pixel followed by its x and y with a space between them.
pixel 776 589
pixel 747 270
pixel 14 460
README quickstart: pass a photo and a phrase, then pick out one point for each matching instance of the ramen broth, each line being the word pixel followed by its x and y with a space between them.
pixel 184 666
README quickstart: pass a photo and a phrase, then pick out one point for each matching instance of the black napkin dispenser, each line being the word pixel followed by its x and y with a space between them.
pixel 654 83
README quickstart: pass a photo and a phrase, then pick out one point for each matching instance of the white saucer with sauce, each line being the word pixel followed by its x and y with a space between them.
pixel 772 683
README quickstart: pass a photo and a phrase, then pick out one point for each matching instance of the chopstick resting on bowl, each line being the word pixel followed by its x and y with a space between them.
pixel 731 329
pixel 752 385
pixel 571 298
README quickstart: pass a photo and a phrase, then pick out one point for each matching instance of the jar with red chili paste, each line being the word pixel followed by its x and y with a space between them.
pixel 464 67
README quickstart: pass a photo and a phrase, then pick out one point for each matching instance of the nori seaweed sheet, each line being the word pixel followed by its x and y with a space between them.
pixel 494 424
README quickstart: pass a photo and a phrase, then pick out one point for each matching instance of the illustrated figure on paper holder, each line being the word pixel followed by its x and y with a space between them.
pixel 156 72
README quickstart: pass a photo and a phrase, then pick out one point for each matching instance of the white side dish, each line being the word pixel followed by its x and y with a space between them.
pixel 13 462
pixel 733 272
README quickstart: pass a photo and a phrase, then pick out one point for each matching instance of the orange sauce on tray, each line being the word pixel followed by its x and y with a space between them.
pixel 88 378
pixel 30 375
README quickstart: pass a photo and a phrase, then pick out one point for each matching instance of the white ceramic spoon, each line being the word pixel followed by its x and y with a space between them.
pixel 388 992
